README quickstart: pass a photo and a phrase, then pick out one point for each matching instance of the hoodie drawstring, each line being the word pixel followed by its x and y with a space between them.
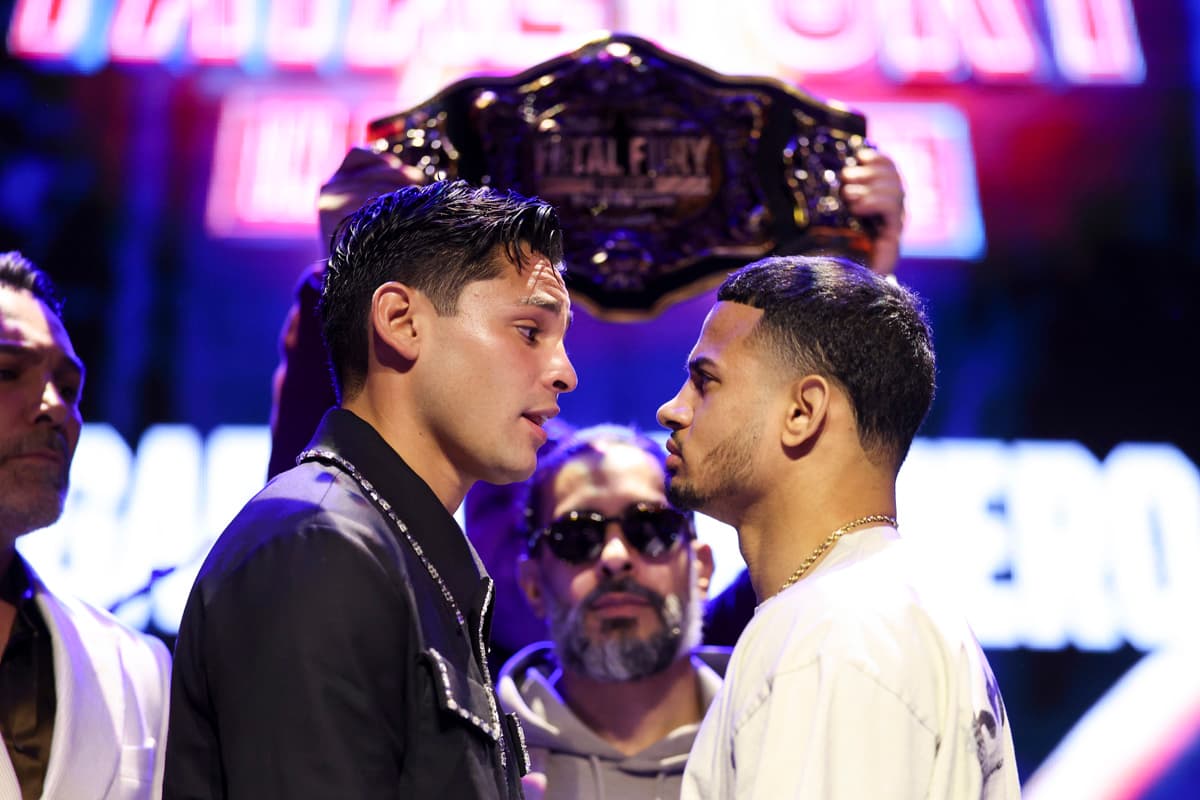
pixel 595 762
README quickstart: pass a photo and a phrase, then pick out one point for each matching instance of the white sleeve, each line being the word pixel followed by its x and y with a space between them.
pixel 830 730
pixel 163 659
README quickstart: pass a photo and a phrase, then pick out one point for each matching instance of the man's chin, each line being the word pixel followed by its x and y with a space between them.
pixel 32 515
pixel 684 497
pixel 505 474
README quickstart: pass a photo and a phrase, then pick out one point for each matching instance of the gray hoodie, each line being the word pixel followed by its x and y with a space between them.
pixel 579 764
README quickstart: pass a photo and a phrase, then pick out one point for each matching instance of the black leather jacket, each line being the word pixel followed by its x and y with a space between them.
pixel 318 657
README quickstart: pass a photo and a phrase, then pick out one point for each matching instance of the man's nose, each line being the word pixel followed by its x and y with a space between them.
pixel 52 405
pixel 616 556
pixel 674 414
pixel 562 371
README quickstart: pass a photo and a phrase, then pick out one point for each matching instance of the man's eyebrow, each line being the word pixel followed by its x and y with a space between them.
pixel 25 352
pixel 21 351
pixel 700 363
pixel 549 304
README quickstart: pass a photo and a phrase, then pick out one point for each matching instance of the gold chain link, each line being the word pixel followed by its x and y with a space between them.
pixel 829 541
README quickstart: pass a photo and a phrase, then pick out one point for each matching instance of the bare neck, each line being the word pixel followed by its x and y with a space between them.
pixel 8 612
pixel 390 418
pixel 7 554
pixel 778 533
pixel 632 715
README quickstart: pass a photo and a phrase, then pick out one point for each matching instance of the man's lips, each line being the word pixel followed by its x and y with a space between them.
pixel 618 600
pixel 47 455
pixel 53 455
pixel 538 419
pixel 44 445
pixel 674 458
pixel 540 416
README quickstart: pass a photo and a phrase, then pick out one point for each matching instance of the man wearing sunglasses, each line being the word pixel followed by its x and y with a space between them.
pixel 610 705
pixel 856 677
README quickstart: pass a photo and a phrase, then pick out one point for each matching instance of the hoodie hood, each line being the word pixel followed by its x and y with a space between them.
pixel 577 762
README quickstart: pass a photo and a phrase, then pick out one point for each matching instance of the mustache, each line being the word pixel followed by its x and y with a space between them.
pixel 623 585
pixel 37 441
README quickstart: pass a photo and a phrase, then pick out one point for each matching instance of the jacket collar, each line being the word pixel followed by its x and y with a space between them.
pixel 443 542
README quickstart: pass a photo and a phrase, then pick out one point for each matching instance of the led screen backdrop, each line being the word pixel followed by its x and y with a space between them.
pixel 161 159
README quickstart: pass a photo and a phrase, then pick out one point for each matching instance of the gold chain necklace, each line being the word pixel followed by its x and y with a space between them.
pixel 828 543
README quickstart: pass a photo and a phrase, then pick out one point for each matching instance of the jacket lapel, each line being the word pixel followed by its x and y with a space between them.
pixel 85 750
pixel 10 787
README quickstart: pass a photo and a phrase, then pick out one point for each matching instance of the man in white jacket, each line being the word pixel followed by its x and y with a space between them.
pixel 83 700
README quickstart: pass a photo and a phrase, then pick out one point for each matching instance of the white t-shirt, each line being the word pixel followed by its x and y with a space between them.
pixel 855 683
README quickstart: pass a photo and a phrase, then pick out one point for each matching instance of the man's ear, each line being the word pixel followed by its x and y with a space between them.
pixel 704 568
pixel 808 404
pixel 396 311
pixel 529 577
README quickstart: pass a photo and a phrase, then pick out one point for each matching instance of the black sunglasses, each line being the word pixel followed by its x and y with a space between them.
pixel 577 537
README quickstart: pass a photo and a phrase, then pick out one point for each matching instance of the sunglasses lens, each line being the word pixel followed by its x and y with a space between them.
pixel 654 531
pixel 576 538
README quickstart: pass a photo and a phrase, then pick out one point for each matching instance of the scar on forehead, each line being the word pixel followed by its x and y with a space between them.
pixel 542 270
pixel 552 304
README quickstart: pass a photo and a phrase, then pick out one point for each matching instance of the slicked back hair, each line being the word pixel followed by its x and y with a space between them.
pixel 587 441
pixel 435 239
pixel 835 318
pixel 18 272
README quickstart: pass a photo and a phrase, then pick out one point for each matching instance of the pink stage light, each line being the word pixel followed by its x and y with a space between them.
pixel 273 152
pixel 148 30
pixel 922 41
pixel 302 32
pixel 1096 41
pixel 931 145
pixel 223 31
pixel 998 39
pixel 909 40
pixel 50 29
pixel 383 34
pixel 816 36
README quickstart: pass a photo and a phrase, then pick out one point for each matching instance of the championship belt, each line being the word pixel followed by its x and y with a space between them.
pixel 666 175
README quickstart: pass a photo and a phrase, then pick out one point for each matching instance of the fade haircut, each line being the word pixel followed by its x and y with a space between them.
pixel 435 239
pixel 18 272
pixel 835 318
pixel 584 442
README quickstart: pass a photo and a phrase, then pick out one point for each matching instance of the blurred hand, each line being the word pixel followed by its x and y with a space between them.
pixel 363 175
pixel 872 187
pixel 534 785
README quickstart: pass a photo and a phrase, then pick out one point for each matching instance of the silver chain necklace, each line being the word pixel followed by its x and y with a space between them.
pixel 383 505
